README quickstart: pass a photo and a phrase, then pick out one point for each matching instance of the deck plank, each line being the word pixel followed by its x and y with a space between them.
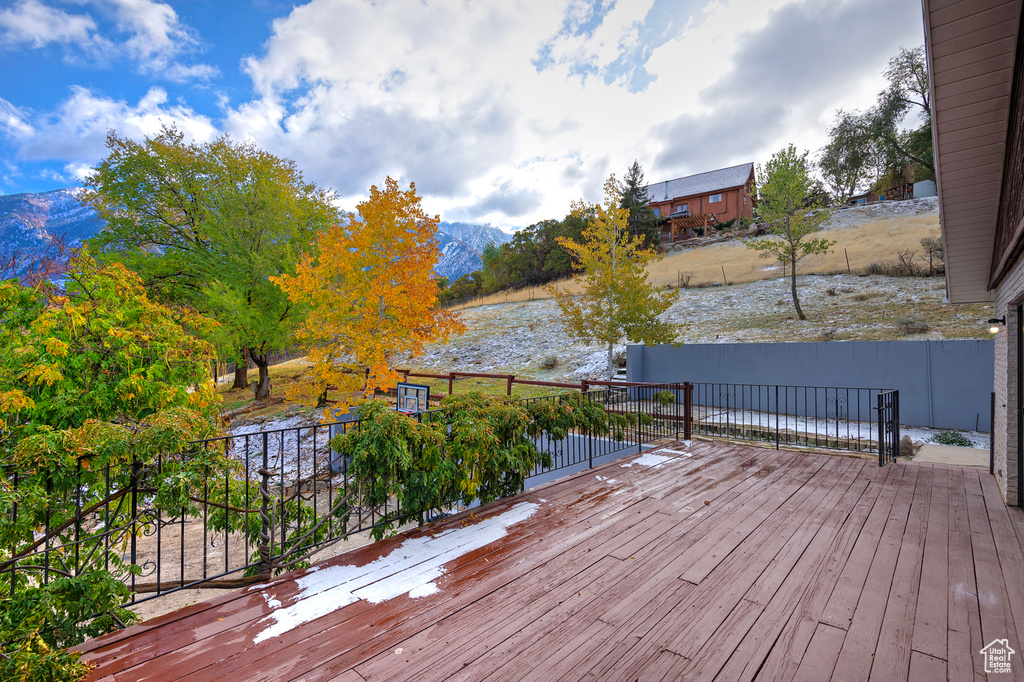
pixel 799 566
pixel 930 618
pixel 784 659
pixel 963 634
pixel 862 636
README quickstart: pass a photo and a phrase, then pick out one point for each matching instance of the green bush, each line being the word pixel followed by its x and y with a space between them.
pixel 664 398
pixel 474 447
pixel 952 438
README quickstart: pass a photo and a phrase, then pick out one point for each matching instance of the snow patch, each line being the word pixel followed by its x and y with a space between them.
pixel 647 460
pixel 424 590
pixel 411 568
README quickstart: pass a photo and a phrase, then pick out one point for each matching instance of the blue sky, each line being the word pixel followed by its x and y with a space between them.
pixel 501 112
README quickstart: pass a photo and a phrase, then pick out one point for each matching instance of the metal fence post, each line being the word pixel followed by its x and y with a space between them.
pixel 776 417
pixel 991 433
pixel 687 410
pixel 266 547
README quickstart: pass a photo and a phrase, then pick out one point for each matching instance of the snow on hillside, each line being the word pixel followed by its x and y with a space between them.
pixel 853 216
pixel 28 221
pixel 517 337
pixel 461 245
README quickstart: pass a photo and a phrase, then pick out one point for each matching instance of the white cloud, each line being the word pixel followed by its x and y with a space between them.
pixel 30 22
pixel 12 120
pixel 77 132
pixel 157 37
pixel 149 33
pixel 500 112
pixel 505 112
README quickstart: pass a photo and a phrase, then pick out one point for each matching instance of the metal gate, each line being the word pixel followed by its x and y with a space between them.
pixel 888 426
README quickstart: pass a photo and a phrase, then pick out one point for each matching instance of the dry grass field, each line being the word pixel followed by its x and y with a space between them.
pixel 863 235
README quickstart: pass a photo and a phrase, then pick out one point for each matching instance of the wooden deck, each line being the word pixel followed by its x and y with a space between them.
pixel 718 562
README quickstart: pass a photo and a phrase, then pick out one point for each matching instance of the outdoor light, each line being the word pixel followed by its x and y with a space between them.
pixel 995 324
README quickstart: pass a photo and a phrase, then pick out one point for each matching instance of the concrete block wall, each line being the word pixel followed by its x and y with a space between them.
pixel 943 384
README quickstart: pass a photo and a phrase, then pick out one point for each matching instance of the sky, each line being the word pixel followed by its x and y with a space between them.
pixel 501 111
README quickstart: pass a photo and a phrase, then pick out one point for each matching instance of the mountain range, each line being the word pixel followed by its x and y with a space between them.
pixel 28 222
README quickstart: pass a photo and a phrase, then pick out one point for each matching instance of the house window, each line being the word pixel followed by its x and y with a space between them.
pixel 680 208
pixel 714 198
pixel 657 212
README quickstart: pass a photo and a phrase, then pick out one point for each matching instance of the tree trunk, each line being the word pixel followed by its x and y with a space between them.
pixel 261 389
pixel 242 370
pixel 611 370
pixel 792 286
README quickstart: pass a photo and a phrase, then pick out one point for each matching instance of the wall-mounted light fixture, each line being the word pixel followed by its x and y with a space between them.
pixel 996 323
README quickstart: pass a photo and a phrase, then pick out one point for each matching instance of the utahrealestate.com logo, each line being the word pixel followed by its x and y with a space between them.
pixel 997 656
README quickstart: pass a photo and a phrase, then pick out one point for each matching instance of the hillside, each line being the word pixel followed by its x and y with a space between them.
pixel 462 244
pixel 518 336
pixel 864 235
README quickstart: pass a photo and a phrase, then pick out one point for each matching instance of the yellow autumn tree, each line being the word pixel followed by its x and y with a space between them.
pixel 371 295
pixel 617 301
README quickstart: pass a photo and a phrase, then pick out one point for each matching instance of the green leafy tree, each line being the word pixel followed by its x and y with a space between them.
pixel 96 382
pixel 207 225
pixel 787 203
pixel 848 160
pixel 907 93
pixel 616 301
pixel 892 140
pixel 641 219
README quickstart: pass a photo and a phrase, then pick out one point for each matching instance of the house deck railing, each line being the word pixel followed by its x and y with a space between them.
pixel 291 494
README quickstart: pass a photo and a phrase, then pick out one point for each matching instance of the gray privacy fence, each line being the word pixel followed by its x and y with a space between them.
pixel 942 384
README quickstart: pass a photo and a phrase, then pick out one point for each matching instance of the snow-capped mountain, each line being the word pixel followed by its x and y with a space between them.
pixel 29 221
pixel 461 245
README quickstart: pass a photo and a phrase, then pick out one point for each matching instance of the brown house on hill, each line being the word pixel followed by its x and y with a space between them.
pixel 976 68
pixel 703 199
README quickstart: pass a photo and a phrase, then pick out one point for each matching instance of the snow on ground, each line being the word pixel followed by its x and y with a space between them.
pixel 289 446
pixel 516 338
pixel 852 216
pixel 853 432
pixel 647 460
pixel 411 568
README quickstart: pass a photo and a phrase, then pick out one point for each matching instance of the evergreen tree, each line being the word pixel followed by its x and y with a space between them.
pixel 641 221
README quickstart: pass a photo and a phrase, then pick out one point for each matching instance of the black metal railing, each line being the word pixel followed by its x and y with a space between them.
pixel 888 427
pixel 292 496
pixel 821 417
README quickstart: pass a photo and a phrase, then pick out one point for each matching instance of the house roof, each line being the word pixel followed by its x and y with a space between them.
pixel 701 183
pixel 971 47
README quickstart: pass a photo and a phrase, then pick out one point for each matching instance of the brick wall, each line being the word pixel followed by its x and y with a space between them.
pixel 1004 433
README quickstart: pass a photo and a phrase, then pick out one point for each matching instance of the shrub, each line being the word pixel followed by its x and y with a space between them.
pixel 619 359
pixel 474 447
pixel 952 438
pixel 549 362
pixel 664 398
pixel 909 325
pixel 831 291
